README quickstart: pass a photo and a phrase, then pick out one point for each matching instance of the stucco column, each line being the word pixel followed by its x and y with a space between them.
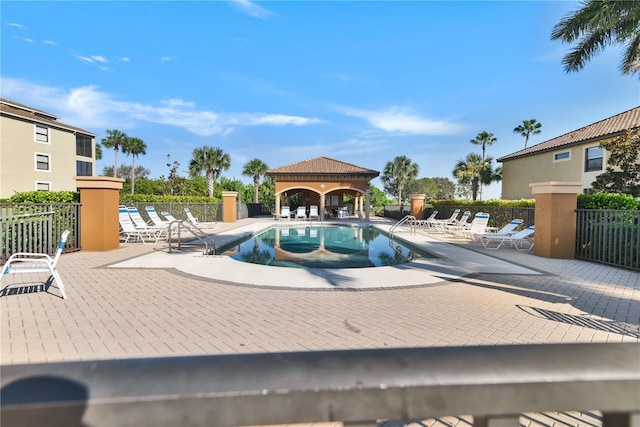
pixel 361 207
pixel 367 206
pixel 229 206
pixel 322 205
pixel 99 223
pixel 556 203
pixel 417 205
pixel 277 208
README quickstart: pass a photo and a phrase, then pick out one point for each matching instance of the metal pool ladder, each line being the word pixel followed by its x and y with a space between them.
pixel 409 219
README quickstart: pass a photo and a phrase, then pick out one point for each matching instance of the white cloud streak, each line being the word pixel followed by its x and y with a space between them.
pixel 403 120
pixel 250 8
pixel 88 107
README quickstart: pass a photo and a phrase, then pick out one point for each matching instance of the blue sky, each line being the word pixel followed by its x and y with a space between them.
pixel 286 81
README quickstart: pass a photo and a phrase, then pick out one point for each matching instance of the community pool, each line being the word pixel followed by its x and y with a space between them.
pixel 331 246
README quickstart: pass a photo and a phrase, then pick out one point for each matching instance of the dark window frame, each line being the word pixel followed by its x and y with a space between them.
pixel 593 163
pixel 84 168
pixel 46 164
pixel 84 145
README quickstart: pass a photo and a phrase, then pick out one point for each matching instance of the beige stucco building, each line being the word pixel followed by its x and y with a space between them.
pixel 39 153
pixel 573 157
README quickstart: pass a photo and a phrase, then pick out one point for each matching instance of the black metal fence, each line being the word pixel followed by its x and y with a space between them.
pixel 37 227
pixel 609 237
pixel 205 212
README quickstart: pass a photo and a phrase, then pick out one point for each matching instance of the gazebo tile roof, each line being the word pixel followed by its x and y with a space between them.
pixel 322 166
pixel 599 130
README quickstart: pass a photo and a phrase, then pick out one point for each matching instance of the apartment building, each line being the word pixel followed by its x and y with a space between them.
pixel 39 153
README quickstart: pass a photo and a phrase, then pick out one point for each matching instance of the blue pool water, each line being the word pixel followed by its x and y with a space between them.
pixel 324 247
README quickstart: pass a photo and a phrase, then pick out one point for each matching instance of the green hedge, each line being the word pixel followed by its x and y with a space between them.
pixel 45 197
pixel 522 203
pixel 607 201
pixel 141 198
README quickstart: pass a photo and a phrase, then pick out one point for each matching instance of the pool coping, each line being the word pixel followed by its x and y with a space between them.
pixel 454 262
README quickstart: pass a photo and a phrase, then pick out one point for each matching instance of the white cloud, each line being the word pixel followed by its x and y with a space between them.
pixel 250 8
pixel 165 59
pixel 24 39
pixel 50 42
pixel 403 120
pixel 86 59
pixel 16 25
pixel 125 59
pixel 99 58
pixel 88 107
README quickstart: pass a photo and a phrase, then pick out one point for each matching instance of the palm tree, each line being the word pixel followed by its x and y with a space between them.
pixel 255 168
pixel 598 24
pixel 528 128
pixel 135 147
pixel 115 139
pixel 474 171
pixel 397 173
pixel 484 138
pixel 212 161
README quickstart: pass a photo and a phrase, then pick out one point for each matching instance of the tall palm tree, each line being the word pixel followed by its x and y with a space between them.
pixel 472 170
pixel 598 24
pixel 397 173
pixel 212 161
pixel 255 168
pixel 528 128
pixel 115 139
pixel 484 138
pixel 135 147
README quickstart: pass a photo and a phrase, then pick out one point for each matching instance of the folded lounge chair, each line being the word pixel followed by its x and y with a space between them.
pixel 29 262
pixel 521 240
pixel 313 212
pixel 285 212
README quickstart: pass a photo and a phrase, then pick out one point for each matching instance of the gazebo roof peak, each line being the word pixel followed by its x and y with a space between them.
pixel 323 165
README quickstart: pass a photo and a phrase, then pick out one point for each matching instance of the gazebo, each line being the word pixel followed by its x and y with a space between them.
pixel 323 182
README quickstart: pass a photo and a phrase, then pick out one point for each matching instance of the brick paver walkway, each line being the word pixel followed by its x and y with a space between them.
pixel 125 313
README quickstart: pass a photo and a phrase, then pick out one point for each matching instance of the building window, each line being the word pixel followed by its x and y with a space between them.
pixel 83 145
pixel 43 162
pixel 42 134
pixel 84 168
pixel 564 155
pixel 594 157
pixel 43 186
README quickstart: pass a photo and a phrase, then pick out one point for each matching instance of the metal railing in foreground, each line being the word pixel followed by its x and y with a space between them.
pixel 493 383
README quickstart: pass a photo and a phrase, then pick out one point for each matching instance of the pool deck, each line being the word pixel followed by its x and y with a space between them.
pixel 140 301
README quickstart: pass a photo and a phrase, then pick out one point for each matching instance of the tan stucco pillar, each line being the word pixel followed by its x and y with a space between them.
pixel 556 203
pixel 367 205
pixel 99 224
pixel 417 205
pixel 229 206
pixel 277 206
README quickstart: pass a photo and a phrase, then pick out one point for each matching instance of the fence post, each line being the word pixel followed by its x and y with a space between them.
pixel 99 224
pixel 229 206
pixel 556 203
pixel 417 205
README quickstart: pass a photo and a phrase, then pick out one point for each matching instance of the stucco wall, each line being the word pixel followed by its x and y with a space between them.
pixel 17 158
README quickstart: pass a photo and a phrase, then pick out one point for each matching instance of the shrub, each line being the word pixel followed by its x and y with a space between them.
pixel 607 201
pixel 45 197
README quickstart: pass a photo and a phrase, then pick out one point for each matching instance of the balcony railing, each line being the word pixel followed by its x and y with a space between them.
pixel 359 387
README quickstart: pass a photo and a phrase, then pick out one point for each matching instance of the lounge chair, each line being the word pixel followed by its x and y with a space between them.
pixel 313 212
pixel 194 221
pixel 458 227
pixel 155 219
pixel 301 212
pixel 30 262
pixel 328 213
pixel 441 224
pixel 521 240
pixel 285 212
pixel 425 223
pixel 135 226
pixel 478 226
pixel 508 228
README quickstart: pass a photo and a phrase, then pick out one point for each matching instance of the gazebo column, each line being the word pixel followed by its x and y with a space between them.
pixel 322 205
pixel 367 205
pixel 277 204
pixel 361 206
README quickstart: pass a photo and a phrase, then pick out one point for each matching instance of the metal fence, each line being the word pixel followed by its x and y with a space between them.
pixel 609 237
pixel 494 384
pixel 205 212
pixel 36 227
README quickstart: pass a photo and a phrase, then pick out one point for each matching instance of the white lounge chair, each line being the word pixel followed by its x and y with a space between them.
pixel 521 240
pixel 136 227
pixel 425 223
pixel 301 212
pixel 155 218
pixel 441 224
pixel 478 226
pixel 458 227
pixel 313 212
pixel 29 262
pixel 285 212
pixel 508 228
pixel 194 221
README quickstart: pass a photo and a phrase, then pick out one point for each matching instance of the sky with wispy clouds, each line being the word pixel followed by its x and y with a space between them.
pixel 285 81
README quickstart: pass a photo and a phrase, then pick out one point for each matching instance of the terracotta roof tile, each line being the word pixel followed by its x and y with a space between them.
pixel 12 108
pixel 599 130
pixel 322 165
